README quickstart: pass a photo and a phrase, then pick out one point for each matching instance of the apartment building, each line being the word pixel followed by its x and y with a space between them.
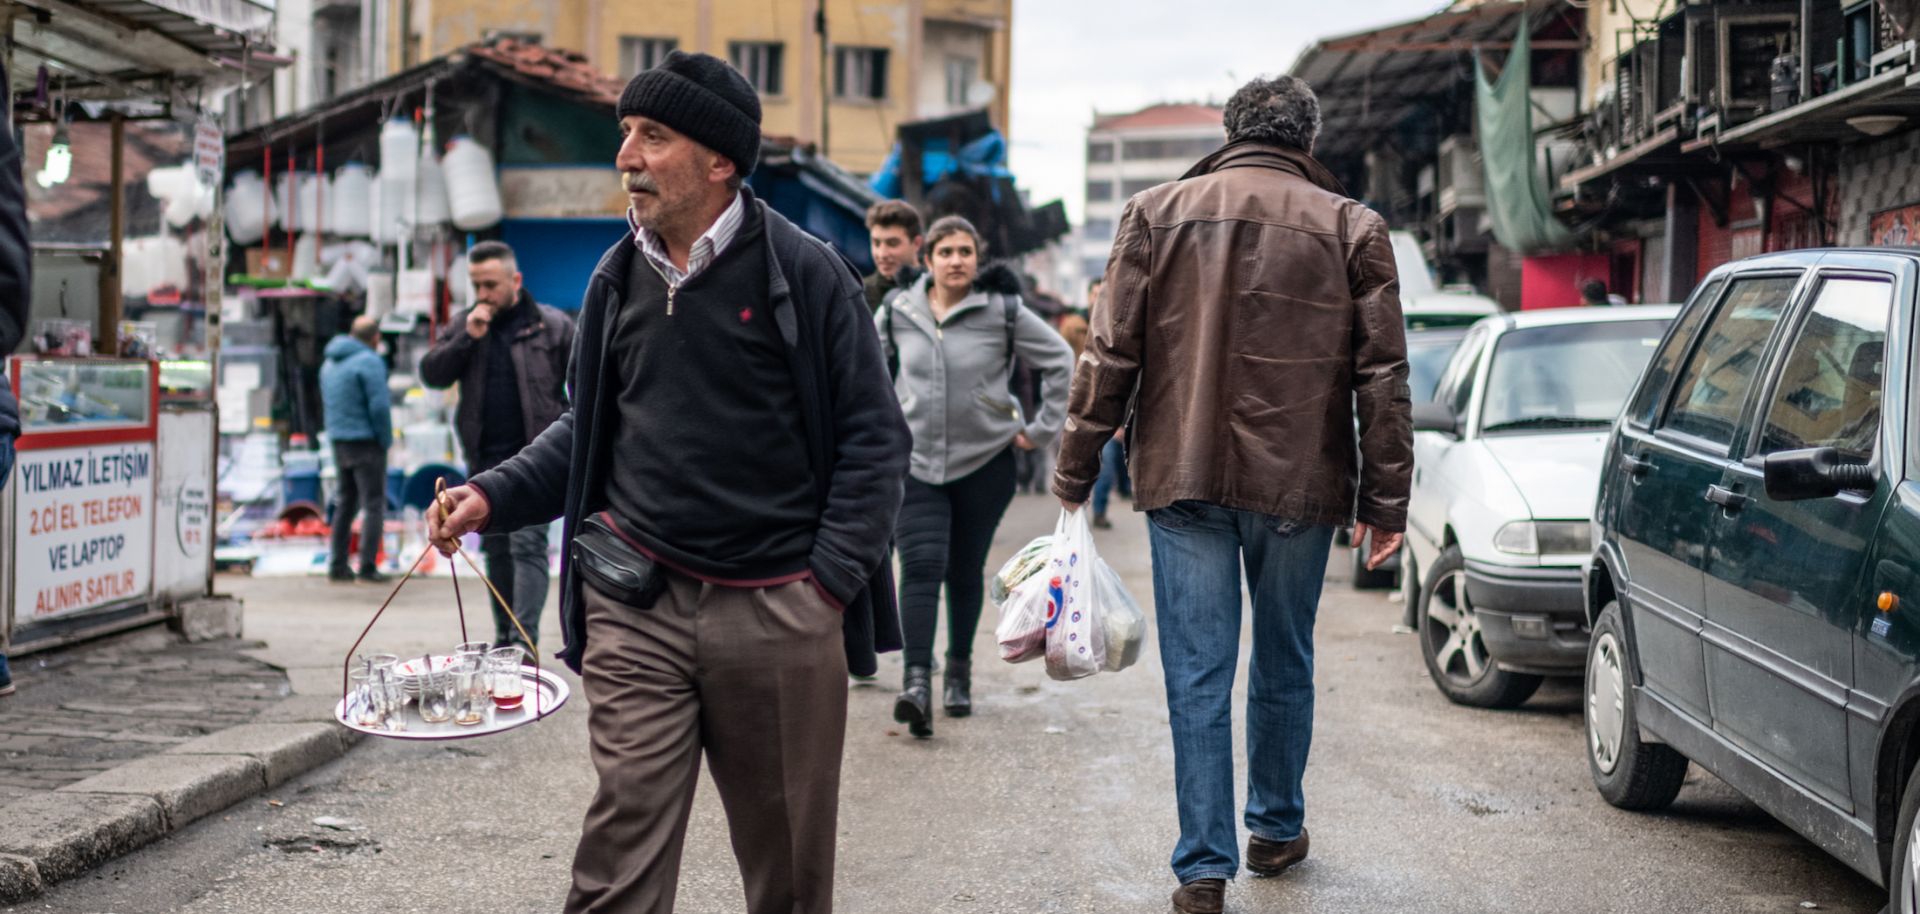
pixel 1128 153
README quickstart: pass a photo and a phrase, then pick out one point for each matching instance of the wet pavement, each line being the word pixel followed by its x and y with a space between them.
pixel 1054 797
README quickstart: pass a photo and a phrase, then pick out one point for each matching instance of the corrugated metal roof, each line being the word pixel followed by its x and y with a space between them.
pixel 140 49
pixel 1368 82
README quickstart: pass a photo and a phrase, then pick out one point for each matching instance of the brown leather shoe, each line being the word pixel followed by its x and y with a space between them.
pixel 1201 896
pixel 1271 858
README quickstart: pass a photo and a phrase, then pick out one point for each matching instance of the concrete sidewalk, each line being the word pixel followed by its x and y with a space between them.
pixel 113 744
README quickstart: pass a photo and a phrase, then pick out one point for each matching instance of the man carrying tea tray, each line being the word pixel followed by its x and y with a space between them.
pixel 728 473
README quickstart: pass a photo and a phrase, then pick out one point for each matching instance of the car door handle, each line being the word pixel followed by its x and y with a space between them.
pixel 1636 466
pixel 1727 498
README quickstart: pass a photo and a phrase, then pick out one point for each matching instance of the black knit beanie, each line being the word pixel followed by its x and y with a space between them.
pixel 705 98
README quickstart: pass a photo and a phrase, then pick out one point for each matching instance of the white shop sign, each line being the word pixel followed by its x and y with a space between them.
pixel 83 528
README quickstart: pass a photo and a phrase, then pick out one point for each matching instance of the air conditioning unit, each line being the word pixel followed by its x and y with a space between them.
pixel 1462 181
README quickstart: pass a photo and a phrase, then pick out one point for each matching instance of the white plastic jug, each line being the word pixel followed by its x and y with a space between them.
pixel 248 210
pixel 473 190
pixel 313 194
pixel 351 212
pixel 431 191
pixel 399 150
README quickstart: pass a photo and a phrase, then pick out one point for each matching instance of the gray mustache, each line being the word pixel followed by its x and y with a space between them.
pixel 639 182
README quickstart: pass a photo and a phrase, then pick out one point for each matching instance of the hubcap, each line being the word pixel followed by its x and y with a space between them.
pixel 1606 703
pixel 1909 901
pixel 1453 631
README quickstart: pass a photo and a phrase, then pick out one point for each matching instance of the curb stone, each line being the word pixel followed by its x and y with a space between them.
pixel 49 837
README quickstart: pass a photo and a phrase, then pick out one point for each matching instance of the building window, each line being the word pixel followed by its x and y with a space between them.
pixel 962 73
pixel 1129 188
pixel 760 62
pixel 637 53
pixel 860 74
pixel 1099 152
pixel 1099 191
pixel 1191 149
pixel 1099 230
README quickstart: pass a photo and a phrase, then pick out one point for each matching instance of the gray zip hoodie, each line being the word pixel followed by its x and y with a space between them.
pixel 952 382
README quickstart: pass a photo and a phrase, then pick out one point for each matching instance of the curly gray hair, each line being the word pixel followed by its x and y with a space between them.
pixel 1282 110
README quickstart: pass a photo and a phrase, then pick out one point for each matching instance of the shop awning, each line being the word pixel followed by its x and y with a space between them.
pixel 1369 82
pixel 119 50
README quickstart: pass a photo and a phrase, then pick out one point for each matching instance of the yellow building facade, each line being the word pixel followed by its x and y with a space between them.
pixel 884 62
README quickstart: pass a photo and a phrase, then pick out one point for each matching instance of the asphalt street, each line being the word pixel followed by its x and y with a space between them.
pixel 1054 797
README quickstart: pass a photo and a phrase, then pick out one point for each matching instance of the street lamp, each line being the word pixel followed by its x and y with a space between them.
pixel 59 159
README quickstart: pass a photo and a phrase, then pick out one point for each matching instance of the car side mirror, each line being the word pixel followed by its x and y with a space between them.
pixel 1813 473
pixel 1435 417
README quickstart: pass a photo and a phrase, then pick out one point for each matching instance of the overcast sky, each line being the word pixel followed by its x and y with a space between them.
pixel 1072 57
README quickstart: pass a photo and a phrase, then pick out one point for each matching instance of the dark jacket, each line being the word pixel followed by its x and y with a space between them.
pixel 1252 305
pixel 877 285
pixel 540 352
pixel 353 389
pixel 16 265
pixel 856 439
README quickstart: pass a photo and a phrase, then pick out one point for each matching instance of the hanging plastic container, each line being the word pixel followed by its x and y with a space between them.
pixel 313 192
pixel 473 190
pixel 351 213
pixel 283 198
pixel 399 150
pixel 430 191
pixel 247 208
pixel 306 257
pixel 390 199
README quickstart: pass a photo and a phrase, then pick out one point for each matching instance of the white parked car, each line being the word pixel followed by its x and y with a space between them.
pixel 1507 460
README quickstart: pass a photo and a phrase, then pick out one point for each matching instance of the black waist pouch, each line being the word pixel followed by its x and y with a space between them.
pixel 614 567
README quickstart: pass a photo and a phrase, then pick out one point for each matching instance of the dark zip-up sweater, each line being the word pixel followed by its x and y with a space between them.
pixel 856 441
pixel 714 477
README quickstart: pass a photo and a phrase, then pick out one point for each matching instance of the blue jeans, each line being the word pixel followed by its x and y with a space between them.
pixel 1113 472
pixel 1198 550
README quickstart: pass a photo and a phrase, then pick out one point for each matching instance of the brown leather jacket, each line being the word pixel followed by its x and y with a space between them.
pixel 1249 307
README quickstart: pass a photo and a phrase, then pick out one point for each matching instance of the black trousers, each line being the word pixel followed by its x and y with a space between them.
pixel 362 479
pixel 943 536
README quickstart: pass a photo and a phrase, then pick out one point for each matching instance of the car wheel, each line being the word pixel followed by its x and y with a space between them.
pixel 1451 643
pixel 1631 774
pixel 1383 579
pixel 1903 881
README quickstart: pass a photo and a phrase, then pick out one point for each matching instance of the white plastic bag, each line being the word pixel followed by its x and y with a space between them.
pixel 1076 647
pixel 1121 622
pixel 1022 631
pixel 1025 564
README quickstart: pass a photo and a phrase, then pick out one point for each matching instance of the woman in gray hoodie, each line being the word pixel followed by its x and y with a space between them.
pixel 952 347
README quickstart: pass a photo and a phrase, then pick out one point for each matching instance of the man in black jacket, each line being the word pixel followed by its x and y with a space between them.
pixel 509 354
pixel 728 472
pixel 16 287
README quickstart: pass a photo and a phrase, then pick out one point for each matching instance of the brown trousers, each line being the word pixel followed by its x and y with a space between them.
pixel 755 678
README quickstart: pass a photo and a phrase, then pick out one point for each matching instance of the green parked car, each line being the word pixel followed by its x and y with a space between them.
pixel 1754 594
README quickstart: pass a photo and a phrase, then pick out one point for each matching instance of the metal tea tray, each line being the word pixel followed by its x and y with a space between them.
pixel 546 692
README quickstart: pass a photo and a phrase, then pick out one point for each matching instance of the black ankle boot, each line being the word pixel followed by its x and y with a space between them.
pixel 959 691
pixel 914 707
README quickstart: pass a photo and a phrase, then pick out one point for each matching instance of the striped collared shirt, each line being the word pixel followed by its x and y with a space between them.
pixel 705 248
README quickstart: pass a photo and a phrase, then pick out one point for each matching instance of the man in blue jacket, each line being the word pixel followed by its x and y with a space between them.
pixel 353 385
pixel 728 471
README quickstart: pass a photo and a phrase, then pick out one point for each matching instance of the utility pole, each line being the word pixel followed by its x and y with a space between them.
pixel 826 72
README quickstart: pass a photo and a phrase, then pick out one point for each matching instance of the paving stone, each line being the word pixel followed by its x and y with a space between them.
pixel 65 834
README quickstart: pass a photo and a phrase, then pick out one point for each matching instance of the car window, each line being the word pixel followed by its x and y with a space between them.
pixel 1828 394
pixel 1566 376
pixel 1461 394
pixel 1460 366
pixel 1427 355
pixel 1713 386
pixel 1665 362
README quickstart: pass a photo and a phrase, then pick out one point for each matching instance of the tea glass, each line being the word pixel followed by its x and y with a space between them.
pixel 508 686
pixel 470 694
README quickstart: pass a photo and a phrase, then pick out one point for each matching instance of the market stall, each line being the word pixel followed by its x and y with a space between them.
pixel 107 521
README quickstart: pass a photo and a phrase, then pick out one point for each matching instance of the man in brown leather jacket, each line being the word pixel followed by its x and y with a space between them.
pixel 1249 309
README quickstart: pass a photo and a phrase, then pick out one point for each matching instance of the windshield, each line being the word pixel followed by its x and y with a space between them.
pixel 1566 376
pixel 1427 355
pixel 1442 320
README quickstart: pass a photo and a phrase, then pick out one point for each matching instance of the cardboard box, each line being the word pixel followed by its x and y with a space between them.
pixel 272 264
